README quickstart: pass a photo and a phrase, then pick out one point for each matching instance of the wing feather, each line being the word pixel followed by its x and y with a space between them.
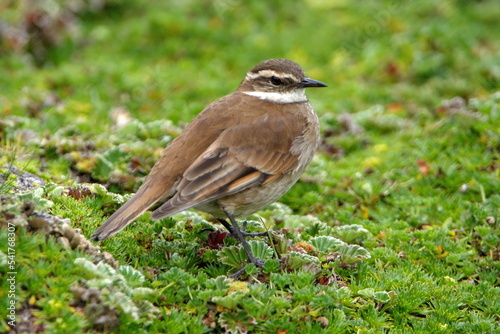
pixel 241 157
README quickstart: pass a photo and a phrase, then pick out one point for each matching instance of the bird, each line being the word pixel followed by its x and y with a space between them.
pixel 237 156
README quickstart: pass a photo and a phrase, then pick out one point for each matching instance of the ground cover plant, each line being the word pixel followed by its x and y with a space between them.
pixel 393 227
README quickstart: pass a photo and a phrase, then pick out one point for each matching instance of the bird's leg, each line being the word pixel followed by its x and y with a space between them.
pixel 242 230
pixel 237 274
pixel 236 230
pixel 245 234
pixel 258 234
pixel 227 226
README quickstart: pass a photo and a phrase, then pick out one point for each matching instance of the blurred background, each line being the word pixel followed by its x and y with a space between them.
pixel 169 59
pixel 78 78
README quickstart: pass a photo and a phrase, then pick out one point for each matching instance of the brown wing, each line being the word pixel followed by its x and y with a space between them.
pixel 241 157
pixel 176 158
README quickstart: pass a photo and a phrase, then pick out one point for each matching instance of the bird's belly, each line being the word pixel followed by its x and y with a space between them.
pixel 248 201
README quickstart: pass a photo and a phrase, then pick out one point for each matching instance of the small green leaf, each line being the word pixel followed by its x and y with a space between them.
pixel 352 233
pixel 230 301
pixel 326 244
pixel 233 256
pixel 298 260
pixel 366 293
pixel 121 301
pixel 251 269
pixel 271 266
pixel 260 250
pixel 142 293
pixel 3 260
pixel 350 254
pixel 382 296
pixel 132 276
pixel 90 267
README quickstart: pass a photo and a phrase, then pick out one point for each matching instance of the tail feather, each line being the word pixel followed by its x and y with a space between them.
pixel 170 208
pixel 126 214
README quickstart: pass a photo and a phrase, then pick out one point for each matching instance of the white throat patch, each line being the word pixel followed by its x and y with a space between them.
pixel 294 96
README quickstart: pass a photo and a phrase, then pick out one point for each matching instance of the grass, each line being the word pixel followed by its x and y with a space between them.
pixel 393 228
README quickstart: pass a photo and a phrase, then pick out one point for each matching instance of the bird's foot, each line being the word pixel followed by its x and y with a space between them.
pixel 242 230
pixel 256 261
pixel 248 234
pixel 252 235
pixel 237 274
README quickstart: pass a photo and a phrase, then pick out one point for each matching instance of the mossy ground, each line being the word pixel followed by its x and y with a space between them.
pixel 406 179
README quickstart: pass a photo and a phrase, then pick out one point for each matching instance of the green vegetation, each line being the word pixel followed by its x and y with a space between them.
pixel 393 228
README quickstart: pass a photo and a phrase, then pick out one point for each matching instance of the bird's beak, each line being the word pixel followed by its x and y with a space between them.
pixel 307 82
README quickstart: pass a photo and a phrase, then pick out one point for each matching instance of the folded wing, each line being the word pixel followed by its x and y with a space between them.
pixel 241 157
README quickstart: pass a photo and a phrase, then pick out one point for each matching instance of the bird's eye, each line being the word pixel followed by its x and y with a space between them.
pixel 276 81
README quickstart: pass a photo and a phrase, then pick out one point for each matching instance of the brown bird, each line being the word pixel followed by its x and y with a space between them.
pixel 240 154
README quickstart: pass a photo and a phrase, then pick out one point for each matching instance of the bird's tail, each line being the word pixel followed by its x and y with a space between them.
pixel 126 214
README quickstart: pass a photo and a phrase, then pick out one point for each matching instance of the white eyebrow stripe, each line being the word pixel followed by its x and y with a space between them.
pixel 270 73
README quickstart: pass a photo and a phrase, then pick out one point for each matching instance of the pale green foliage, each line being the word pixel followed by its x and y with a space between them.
pixel 120 289
pixel 326 244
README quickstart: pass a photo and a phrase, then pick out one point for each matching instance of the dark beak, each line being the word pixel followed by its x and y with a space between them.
pixel 307 82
